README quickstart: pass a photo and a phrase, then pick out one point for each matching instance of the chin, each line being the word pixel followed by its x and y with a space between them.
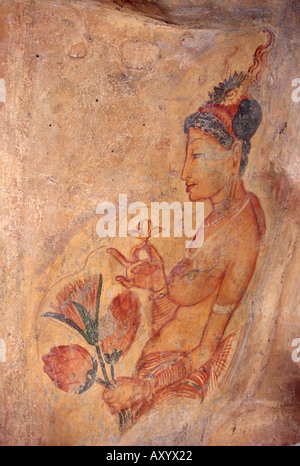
pixel 197 196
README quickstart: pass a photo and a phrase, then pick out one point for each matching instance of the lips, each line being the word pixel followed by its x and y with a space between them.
pixel 189 186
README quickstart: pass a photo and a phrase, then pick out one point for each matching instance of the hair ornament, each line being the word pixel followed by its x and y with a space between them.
pixel 231 113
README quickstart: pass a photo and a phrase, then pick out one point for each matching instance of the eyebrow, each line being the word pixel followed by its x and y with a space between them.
pixel 195 139
pixel 199 139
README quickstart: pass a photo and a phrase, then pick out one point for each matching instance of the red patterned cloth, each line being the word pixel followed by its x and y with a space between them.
pixel 197 385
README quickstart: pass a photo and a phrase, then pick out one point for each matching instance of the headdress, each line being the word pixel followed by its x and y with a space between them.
pixel 230 113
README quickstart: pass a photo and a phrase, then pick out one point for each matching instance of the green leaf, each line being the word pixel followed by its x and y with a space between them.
pixel 98 301
pixel 66 320
pixel 115 356
pixel 90 378
pixel 107 358
pixel 89 325
pixel 112 358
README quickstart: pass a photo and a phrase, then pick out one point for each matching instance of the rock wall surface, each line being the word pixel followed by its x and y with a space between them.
pixel 94 95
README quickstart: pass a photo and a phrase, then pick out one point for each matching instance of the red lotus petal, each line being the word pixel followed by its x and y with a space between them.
pixel 82 292
pixel 125 308
pixel 67 366
pixel 134 233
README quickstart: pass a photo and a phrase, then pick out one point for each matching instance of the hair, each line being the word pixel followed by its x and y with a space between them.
pixel 225 129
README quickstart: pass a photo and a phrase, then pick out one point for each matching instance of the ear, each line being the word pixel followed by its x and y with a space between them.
pixel 237 153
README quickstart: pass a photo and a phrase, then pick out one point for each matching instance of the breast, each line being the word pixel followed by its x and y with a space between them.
pixel 184 332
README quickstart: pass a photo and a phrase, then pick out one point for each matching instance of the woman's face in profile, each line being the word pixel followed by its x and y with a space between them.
pixel 208 165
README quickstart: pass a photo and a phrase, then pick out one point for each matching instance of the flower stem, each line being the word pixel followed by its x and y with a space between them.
pixel 102 364
pixel 120 422
pixel 101 382
pixel 98 301
pixel 112 370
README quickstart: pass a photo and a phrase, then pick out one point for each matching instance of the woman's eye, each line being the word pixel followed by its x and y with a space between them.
pixel 197 155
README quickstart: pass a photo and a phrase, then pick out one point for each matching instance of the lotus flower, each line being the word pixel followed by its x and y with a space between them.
pixel 145 230
pixel 83 292
pixel 71 368
pixel 125 308
pixel 78 306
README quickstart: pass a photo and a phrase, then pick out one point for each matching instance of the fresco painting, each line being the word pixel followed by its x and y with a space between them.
pixel 140 340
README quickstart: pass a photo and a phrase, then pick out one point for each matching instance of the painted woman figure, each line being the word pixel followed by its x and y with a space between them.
pixel 192 307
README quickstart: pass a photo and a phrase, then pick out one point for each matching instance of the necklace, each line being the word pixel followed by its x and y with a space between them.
pixel 233 207
pixel 210 228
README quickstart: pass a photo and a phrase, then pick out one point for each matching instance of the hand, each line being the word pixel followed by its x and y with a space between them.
pixel 144 273
pixel 127 392
pixel 198 358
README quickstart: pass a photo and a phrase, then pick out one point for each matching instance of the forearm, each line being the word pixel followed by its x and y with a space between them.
pixel 212 336
pixel 163 308
pixel 165 378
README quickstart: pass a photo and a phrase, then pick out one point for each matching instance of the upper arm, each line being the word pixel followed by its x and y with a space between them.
pixel 237 277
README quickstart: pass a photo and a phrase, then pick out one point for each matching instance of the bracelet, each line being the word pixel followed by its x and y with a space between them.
pixel 159 294
pixel 223 310
pixel 188 364
pixel 177 371
pixel 151 386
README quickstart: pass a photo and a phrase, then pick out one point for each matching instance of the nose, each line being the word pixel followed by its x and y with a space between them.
pixel 185 171
pixel 183 174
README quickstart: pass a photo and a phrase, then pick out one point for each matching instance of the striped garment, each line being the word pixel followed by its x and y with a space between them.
pixel 201 382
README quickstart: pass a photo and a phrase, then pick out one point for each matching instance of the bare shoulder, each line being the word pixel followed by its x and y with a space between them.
pixel 249 224
pixel 243 245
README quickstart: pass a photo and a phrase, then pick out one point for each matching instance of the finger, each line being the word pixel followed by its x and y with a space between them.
pixel 113 404
pixel 153 253
pixel 123 379
pixel 111 401
pixel 109 393
pixel 125 282
pixel 149 249
pixel 143 274
pixel 106 395
pixel 115 409
pixel 118 256
pixel 135 251
pixel 132 269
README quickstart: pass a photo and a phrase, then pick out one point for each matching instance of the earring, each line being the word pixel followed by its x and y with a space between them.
pixel 232 186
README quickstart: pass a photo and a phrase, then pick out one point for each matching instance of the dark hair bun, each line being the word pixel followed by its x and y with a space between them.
pixel 245 124
pixel 247 120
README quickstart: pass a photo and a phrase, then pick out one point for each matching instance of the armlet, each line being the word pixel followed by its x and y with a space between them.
pixel 223 310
